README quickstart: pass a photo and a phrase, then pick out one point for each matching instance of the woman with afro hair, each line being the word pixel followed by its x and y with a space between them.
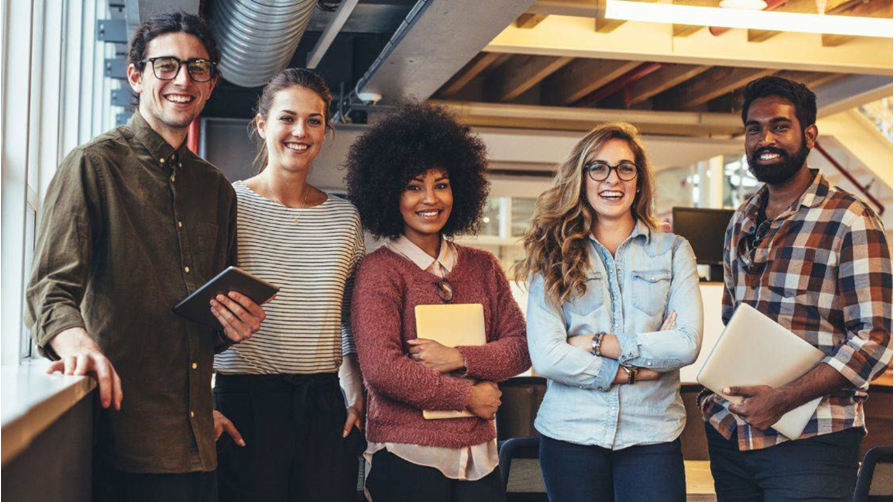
pixel 417 178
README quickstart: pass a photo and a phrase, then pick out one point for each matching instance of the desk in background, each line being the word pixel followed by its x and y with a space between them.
pixel 886 380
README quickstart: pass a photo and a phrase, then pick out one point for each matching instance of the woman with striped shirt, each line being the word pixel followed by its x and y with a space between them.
pixel 280 390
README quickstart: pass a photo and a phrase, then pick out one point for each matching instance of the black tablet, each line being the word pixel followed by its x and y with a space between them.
pixel 197 306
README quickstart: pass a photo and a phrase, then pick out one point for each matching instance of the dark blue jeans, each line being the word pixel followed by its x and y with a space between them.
pixel 819 468
pixel 574 472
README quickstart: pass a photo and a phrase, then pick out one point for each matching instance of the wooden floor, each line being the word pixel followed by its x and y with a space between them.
pixel 699 482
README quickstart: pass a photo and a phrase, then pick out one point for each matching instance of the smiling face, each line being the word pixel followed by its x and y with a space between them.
pixel 294 129
pixel 171 104
pixel 611 198
pixel 425 204
pixel 775 147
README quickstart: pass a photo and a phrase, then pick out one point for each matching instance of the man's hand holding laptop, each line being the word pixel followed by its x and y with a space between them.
pixel 764 406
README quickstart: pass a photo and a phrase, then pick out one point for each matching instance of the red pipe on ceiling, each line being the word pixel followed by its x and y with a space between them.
pixel 620 83
pixel 193 136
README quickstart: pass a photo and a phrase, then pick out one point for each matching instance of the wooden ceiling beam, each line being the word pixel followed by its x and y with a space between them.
pixel 654 84
pixel 522 73
pixel 804 7
pixel 711 84
pixel 581 78
pixel 528 20
pixel 811 79
pixel 475 67
pixel 684 30
pixel 876 8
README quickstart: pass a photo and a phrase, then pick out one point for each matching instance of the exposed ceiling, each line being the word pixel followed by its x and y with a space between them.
pixel 559 54
pixel 559 64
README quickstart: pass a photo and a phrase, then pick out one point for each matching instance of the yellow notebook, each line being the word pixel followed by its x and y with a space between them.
pixel 451 326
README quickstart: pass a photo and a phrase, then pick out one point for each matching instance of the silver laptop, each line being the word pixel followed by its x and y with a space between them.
pixel 755 350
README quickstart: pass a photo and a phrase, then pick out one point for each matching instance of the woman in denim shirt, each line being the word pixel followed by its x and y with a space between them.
pixel 614 312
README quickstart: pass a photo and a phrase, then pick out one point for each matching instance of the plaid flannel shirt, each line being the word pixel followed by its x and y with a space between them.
pixel 823 271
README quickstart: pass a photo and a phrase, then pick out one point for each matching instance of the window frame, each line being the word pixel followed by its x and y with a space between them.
pixel 55 73
pixel 16 162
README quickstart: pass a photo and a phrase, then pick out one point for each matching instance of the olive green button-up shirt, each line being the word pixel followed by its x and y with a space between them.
pixel 131 226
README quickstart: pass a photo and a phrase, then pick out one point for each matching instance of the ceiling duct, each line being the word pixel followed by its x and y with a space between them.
pixel 258 38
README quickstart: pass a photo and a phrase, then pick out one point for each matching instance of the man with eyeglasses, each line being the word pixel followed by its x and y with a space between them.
pixel 815 259
pixel 134 222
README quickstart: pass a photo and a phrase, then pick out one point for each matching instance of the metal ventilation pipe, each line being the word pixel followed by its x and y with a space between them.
pixel 258 38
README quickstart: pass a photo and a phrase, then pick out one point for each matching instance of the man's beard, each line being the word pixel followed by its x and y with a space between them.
pixel 775 174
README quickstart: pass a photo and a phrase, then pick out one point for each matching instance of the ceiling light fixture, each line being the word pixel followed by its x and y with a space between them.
pixel 627 10
pixel 744 4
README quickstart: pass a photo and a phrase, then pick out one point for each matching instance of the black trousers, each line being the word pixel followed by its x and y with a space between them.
pixel 292 426
pixel 818 468
pixel 393 479
pixel 113 485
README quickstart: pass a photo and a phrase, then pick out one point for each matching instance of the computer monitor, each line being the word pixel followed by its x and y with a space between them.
pixel 704 229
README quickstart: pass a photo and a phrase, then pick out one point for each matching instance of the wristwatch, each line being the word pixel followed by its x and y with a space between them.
pixel 631 374
pixel 596 349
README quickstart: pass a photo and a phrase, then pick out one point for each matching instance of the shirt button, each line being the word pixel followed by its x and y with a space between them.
pixel 179 224
pixel 196 365
pixel 192 414
pixel 186 269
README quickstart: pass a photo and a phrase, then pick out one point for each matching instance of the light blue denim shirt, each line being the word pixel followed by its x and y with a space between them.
pixel 628 295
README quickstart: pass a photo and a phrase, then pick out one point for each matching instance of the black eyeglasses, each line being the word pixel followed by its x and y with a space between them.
pixel 748 246
pixel 600 171
pixel 445 290
pixel 168 67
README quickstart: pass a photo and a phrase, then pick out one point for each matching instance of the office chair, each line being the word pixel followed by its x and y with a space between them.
pixel 874 479
pixel 524 483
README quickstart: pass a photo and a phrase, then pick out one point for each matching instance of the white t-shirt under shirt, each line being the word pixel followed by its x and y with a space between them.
pixel 312 255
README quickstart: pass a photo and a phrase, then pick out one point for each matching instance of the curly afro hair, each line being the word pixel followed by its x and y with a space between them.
pixel 405 143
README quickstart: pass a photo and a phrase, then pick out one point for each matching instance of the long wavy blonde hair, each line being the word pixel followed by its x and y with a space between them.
pixel 556 242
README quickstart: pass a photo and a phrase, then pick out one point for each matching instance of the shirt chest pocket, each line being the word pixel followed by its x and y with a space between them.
pixel 650 290
pixel 591 300
pixel 794 271
pixel 583 313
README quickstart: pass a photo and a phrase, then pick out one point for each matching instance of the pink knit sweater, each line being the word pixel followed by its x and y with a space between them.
pixel 387 289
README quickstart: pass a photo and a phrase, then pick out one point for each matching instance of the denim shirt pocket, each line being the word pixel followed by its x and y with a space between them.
pixel 650 290
pixel 582 313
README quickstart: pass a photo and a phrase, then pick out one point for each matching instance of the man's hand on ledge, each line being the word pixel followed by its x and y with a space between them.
pixel 239 316
pixel 80 355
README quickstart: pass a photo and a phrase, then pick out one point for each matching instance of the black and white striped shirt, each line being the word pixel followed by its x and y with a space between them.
pixel 312 254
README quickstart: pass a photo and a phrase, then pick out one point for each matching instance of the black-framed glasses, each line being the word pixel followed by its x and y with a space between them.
pixel 748 246
pixel 168 67
pixel 445 290
pixel 600 171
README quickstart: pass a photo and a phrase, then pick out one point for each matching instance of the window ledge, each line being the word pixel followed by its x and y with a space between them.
pixel 31 400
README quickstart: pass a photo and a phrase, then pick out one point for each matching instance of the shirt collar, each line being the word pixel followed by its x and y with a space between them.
pixel 446 258
pixel 817 191
pixel 813 196
pixel 160 150
pixel 639 229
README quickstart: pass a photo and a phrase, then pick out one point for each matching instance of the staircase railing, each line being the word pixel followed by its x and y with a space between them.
pixel 850 177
